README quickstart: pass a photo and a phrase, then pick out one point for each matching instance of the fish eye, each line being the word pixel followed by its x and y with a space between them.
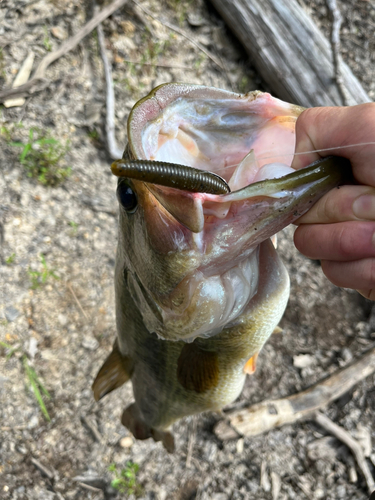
pixel 127 197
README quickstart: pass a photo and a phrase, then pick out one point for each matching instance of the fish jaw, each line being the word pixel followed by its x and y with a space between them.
pixel 192 259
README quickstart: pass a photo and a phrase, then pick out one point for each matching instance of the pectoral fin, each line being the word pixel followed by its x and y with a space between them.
pixel 251 364
pixel 197 370
pixel 116 370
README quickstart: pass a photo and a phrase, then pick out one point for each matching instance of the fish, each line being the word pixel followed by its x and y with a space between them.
pixel 199 284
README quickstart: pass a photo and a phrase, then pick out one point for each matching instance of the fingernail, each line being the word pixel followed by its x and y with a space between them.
pixel 364 207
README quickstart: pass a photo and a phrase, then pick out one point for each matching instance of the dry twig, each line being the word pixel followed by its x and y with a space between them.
pixel 191 442
pixel 92 428
pixel 335 45
pixel 39 82
pixel 351 443
pixel 114 151
pixel 270 414
pixel 77 301
pixel 43 469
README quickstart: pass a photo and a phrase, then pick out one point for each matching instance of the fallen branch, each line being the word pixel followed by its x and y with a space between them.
pixel 43 469
pixel 114 151
pixel 335 45
pixel 270 414
pixel 39 82
pixel 351 443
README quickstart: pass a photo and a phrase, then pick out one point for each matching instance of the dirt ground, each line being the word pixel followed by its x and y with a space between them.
pixel 59 312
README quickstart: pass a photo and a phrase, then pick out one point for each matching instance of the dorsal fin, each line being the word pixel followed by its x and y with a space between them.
pixel 116 370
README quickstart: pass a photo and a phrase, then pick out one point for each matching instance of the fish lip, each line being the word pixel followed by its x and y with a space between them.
pixel 158 99
pixel 319 170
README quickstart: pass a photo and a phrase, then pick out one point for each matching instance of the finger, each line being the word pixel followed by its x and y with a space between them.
pixel 368 294
pixel 344 203
pixel 343 241
pixel 358 274
pixel 321 128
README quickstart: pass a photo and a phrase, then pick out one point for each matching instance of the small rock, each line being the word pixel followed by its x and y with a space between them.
pixel 346 354
pixel 195 19
pixel 126 442
pixel 33 422
pixel 11 313
pixel 239 446
pixel 219 496
pixel 264 479
pixel 303 360
pixel 59 32
pixel 319 493
pixel 90 343
pixel 62 319
pixel 276 485
pixel 162 494
pixel 32 347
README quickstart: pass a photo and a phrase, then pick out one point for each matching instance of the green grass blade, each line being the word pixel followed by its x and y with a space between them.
pixel 38 381
pixel 30 375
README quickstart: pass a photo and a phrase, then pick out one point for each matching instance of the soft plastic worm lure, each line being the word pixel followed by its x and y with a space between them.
pixel 171 175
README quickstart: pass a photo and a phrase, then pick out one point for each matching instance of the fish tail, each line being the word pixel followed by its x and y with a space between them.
pixel 132 420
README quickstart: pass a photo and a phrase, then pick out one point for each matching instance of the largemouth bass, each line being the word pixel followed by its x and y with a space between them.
pixel 199 285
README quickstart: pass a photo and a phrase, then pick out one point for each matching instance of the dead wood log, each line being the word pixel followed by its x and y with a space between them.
pixel 289 51
pixel 270 414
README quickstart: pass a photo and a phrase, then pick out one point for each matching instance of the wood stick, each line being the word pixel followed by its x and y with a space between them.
pixel 114 151
pixel 77 301
pixel 43 469
pixel 335 45
pixel 92 428
pixel 270 414
pixel 351 443
pixel 38 82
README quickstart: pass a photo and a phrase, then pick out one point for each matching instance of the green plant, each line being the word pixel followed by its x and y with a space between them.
pixel 9 260
pixel 181 8
pixel 126 480
pixel 243 85
pixel 74 226
pixel 5 132
pixel 33 380
pixel 46 40
pixel 42 158
pixel 93 134
pixel 39 278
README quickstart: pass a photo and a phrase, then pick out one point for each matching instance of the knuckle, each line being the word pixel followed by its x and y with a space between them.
pixel 369 272
pixel 345 242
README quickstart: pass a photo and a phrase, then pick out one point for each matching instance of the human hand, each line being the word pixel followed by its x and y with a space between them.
pixel 340 228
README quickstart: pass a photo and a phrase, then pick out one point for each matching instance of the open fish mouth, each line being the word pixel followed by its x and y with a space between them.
pixel 215 130
pixel 211 240
pixel 213 142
